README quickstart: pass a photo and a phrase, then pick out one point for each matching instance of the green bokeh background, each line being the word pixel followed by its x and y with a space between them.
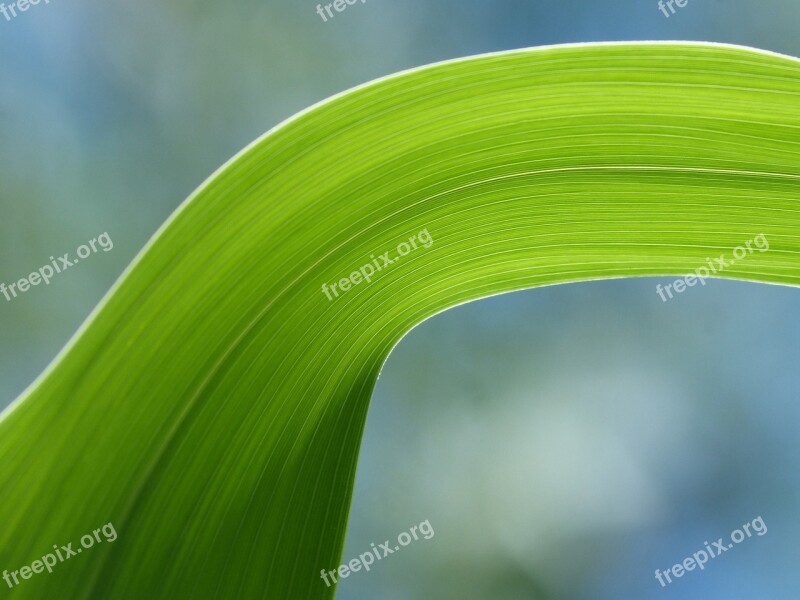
pixel 563 442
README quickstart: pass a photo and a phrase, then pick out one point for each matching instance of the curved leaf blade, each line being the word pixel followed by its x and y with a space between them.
pixel 212 406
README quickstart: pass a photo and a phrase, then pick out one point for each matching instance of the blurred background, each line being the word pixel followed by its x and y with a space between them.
pixel 563 442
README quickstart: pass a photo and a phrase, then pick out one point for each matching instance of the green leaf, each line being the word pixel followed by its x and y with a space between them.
pixel 212 406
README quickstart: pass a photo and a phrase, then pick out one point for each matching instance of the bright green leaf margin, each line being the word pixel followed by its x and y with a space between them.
pixel 212 407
